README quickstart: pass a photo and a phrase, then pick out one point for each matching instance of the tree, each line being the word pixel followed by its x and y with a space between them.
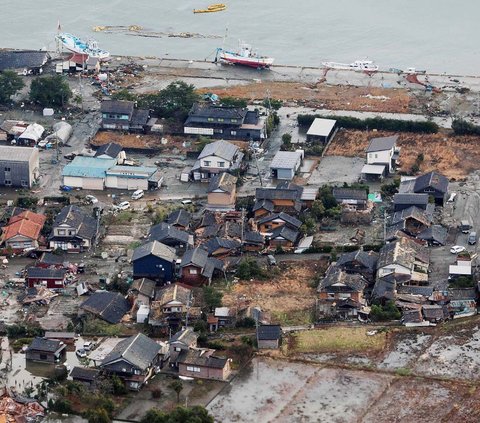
pixel 287 141
pixel 98 415
pixel 318 209
pixel 212 297
pixel 196 414
pixel 10 84
pixel 124 94
pixel 174 101
pixel 50 91
pixel 176 386
pixel 233 101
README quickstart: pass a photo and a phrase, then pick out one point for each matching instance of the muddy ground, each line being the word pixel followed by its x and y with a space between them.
pixel 288 297
pixel 453 156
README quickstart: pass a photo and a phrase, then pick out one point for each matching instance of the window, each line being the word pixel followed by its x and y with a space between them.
pixel 7 169
pixel 59 283
pixel 234 121
pixel 206 163
pixel 193 369
pixel 61 232
pixel 376 155
pixel 8 182
pixel 233 132
pixel 24 183
pixel 71 232
pixel 221 164
pixel 210 119
pixel 193 271
pixel 43 356
pixel 221 119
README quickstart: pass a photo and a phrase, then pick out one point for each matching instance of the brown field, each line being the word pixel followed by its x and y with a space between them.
pixel 328 97
pixel 138 141
pixel 288 298
pixel 454 156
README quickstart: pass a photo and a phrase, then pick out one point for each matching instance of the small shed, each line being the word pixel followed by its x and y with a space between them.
pixel 373 172
pixel 322 130
pixel 31 135
pixel 269 336
pixel 85 375
pixel 61 133
pixel 142 313
pixel 285 164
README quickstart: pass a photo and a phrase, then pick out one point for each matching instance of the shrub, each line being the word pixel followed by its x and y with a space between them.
pixel 246 322
pixel 61 405
pixel 389 311
pixel 462 127
pixel 250 269
pixel 372 247
pixel 374 123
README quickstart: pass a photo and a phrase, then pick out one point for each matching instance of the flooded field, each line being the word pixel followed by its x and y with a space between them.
pixel 279 391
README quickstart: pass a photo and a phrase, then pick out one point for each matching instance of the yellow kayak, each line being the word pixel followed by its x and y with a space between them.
pixel 212 8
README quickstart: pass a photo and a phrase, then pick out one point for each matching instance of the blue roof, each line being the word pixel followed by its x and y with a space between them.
pixel 89 167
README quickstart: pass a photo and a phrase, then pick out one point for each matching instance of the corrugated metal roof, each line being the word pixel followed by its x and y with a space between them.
pixel 16 154
pixel 321 127
pixel 382 143
pixel 286 160
pixel 88 167
pixel 373 169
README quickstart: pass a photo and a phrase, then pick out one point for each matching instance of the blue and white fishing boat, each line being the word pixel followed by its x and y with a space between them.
pixel 79 46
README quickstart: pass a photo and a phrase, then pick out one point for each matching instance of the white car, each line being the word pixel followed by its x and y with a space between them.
pixel 124 205
pixel 91 199
pixel 138 194
pixel 89 346
pixel 457 249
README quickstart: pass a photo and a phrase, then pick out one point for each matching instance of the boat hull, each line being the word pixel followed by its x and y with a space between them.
pixel 78 46
pixel 252 62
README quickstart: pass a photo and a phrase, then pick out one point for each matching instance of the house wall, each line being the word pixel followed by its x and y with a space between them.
pixel 41 356
pixel 70 246
pixel 267 344
pixel 153 267
pixel 356 296
pixel 381 157
pixel 281 243
pixel 284 174
pixel 393 268
pixel 20 243
pixel 48 282
pixel 20 174
pixel 270 226
pixel 204 372
pixel 194 279
pixel 214 163
pixel 221 199
pixel 119 182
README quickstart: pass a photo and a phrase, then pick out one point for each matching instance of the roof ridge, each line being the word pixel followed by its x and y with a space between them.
pixel 129 345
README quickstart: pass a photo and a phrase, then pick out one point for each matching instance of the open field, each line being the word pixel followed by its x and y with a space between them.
pixel 278 391
pixel 336 339
pixel 454 156
pixel 322 96
pixel 288 297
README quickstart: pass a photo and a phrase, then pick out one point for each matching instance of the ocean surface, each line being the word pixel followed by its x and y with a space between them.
pixel 436 35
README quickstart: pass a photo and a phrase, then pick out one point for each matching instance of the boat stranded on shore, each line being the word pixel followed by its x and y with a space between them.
pixel 244 56
pixel 76 45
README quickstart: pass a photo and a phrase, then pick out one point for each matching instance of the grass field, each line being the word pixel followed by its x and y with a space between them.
pixel 337 339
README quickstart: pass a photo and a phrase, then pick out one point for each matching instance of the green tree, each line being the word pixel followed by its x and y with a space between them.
pixel 174 101
pixel 318 209
pixel 98 415
pixel 10 84
pixel 250 269
pixel 233 101
pixel 389 311
pixel 196 414
pixel 287 142
pixel 50 91
pixel 212 297
pixel 124 94
pixel 177 387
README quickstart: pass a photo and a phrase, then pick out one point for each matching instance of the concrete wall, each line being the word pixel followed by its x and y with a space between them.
pixel 221 199
pixel 117 182
pixel 205 372
pixel 285 174
pixel 20 173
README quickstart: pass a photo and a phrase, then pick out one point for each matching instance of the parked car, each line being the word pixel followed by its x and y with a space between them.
pixel 465 226
pixel 457 249
pixel 65 188
pixel 81 352
pixel 124 205
pixel 91 199
pixel 472 238
pixel 271 260
pixel 89 345
pixel 70 156
pixel 138 194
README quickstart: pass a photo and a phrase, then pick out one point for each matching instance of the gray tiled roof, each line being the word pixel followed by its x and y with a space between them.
pixel 431 179
pixel 203 358
pixel 47 345
pixel 381 144
pixel 39 272
pixel 285 232
pixel 350 194
pixel 223 181
pixel 289 220
pixel 222 149
pixel 163 231
pixel 367 259
pixel 144 286
pixel 186 336
pixel 117 106
pixel 179 217
pixel 413 199
pixel 436 233
pixel 138 350
pixel 155 248
pixel 75 217
pixel 109 306
pixel 269 332
pixel 335 276
pixel 276 194
pixel 22 59
pixel 215 243
pixel 111 149
pixel 196 256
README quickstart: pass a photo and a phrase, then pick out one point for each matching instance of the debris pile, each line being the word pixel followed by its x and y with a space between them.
pixel 15 408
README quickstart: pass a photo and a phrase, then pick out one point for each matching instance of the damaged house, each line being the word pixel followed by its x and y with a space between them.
pixel 197 269
pixel 434 184
pixel 340 294
pixel 276 200
pixel 405 257
pixel 155 261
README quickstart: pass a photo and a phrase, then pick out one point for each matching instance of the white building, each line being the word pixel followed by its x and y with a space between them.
pixel 285 164
pixel 322 130
pixel 129 177
pixel 217 157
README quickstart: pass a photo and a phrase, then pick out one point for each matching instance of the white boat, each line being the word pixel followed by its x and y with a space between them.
pixel 244 56
pixel 357 65
pixel 186 378
pixel 75 44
